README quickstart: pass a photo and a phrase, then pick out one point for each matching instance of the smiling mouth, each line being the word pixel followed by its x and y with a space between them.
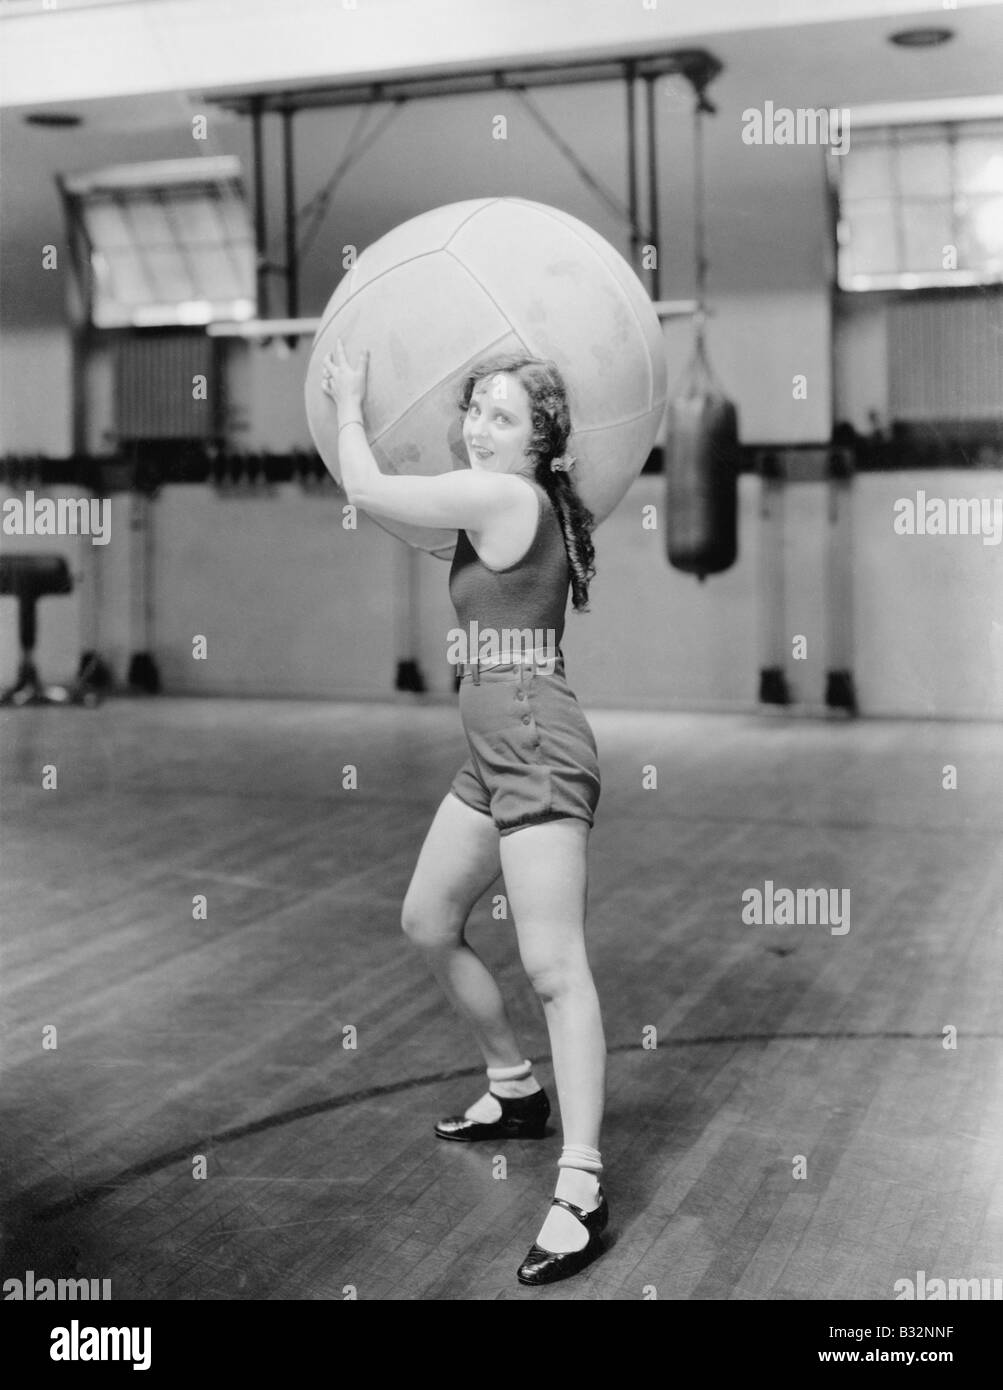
pixel 481 453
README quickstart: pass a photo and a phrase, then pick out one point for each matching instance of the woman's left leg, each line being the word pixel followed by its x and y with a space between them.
pixel 546 878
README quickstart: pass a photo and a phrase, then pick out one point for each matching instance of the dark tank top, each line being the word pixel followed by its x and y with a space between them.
pixel 531 593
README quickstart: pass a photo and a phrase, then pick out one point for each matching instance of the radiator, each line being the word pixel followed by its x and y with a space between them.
pixel 945 358
pixel 154 388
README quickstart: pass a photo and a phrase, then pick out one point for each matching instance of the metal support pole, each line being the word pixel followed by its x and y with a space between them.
pixel 773 688
pixel 260 231
pixel 81 309
pixel 654 225
pixel 840 692
pixel 635 237
pixel 292 260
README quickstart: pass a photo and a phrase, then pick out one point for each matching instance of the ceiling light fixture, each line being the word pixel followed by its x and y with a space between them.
pixel 921 38
pixel 54 120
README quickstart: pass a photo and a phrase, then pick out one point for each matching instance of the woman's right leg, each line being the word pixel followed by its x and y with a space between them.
pixel 458 862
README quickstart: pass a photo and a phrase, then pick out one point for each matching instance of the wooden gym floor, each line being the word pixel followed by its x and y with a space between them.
pixel 223 1037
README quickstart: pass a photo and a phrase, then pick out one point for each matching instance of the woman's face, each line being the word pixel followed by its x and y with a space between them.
pixel 498 426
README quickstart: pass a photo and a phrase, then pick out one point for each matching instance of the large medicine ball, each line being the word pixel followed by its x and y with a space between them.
pixel 464 282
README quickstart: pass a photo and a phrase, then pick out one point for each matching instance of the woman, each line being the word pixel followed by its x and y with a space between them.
pixel 523 803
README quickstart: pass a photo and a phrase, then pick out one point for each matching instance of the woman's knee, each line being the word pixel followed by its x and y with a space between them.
pixel 558 975
pixel 431 926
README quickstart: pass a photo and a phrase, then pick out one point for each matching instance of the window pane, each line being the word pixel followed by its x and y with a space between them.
pixel 927 230
pixel 866 171
pixel 149 222
pixel 981 232
pixel 234 216
pixel 105 225
pixel 870 247
pixel 218 273
pixel 194 221
pixel 170 275
pixel 127 277
pixel 924 167
pixel 244 257
pixel 980 165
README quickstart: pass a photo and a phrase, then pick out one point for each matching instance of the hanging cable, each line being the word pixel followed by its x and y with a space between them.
pixel 610 199
pixel 317 207
pixel 699 221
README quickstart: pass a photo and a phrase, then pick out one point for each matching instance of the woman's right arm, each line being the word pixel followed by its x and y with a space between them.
pixel 462 500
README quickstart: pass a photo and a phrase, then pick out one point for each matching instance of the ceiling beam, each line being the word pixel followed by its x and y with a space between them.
pixel 696 64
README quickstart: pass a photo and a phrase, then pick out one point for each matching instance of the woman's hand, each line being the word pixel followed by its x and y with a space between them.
pixel 345 384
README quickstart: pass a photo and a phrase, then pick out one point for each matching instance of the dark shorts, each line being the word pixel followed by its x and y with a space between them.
pixel 533 756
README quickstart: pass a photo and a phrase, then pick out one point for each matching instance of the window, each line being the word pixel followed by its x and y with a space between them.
pixel 921 206
pixel 167 243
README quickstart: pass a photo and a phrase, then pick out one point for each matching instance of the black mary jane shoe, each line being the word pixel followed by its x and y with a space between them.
pixel 547 1266
pixel 523 1117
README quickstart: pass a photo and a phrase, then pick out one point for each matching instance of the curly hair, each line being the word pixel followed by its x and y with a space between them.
pixel 550 429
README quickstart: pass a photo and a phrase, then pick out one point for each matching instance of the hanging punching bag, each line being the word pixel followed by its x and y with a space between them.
pixel 701 465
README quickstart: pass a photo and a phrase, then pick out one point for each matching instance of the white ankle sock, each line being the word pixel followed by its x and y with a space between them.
pixel 506 1082
pixel 580 1158
pixel 577 1182
pixel 512 1082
